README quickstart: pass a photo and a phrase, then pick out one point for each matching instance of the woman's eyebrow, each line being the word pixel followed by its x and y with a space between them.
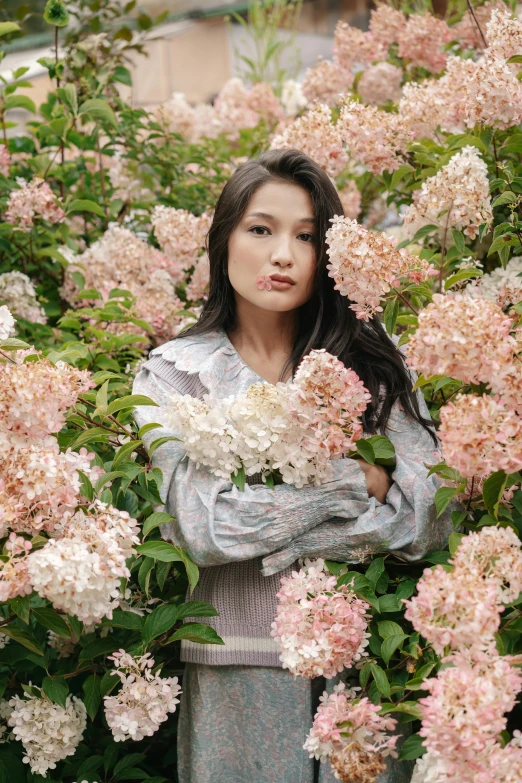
pixel 268 216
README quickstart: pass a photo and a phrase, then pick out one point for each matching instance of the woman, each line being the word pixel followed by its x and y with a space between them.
pixel 243 718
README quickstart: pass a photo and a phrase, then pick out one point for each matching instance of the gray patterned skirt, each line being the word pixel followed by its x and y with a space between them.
pixel 248 724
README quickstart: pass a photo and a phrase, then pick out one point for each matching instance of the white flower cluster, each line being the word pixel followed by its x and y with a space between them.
pixel 144 700
pixel 18 293
pixel 490 286
pixel 7 323
pixel 294 429
pixel 80 573
pixel 48 732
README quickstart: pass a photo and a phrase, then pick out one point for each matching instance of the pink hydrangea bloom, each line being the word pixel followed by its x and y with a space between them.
pixel 466 710
pixel 491 94
pixel 352 734
pixel 365 265
pixel 181 234
pixel 467 32
pixel 507 384
pixel 378 139
pixel 468 339
pixel 386 24
pixel 314 134
pixel 14 576
pixel 321 629
pixel 421 41
pixel 197 288
pixel 31 200
pixel 455 610
pixel 380 83
pixel 237 107
pixel 425 105
pixel 504 34
pixel 5 160
pixel 494 554
pixel 443 202
pixel 34 396
pixel 350 196
pixel 327 82
pixel 352 45
pixel 480 435
pixel 143 702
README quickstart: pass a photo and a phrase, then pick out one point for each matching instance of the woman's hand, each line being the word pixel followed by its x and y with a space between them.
pixel 378 480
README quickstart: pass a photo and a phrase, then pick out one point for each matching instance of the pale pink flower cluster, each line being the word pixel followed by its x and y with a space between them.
pixel 293 429
pixel 504 34
pixel 508 385
pixel 421 41
pixel 454 610
pixel 380 84
pixel 456 197
pixel 352 734
pixel 18 293
pixel 386 24
pixel 293 99
pixel 321 629
pixel 120 259
pixel 32 199
pixel 465 713
pixel 366 266
pixel 143 702
pixel 466 31
pixel 14 575
pixel 5 160
pixel 480 435
pixel 48 732
pixel 237 107
pixel 491 94
pixel 315 134
pixel 80 573
pixel 39 485
pixel 378 139
pixel 468 339
pixel 352 45
pixel 7 323
pixel 327 82
pixel 494 555
pixel 197 288
pixel 350 196
pixel 34 396
pixel 181 234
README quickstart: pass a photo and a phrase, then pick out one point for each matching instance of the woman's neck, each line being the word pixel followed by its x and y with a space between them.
pixel 264 339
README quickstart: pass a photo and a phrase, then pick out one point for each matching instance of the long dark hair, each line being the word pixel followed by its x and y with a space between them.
pixel 325 321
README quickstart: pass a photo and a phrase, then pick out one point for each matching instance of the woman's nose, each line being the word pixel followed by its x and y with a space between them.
pixel 282 255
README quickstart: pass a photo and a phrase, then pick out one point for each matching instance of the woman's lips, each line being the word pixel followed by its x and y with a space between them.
pixel 281 282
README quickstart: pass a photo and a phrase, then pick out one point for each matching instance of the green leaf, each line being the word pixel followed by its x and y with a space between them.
pixel 381 680
pixel 144 574
pixel 458 238
pixel 505 198
pixel 390 314
pixel 365 449
pixel 423 232
pixel 516 58
pixel 13 344
pixel 438 558
pixel 56 690
pixel 196 632
pixel 239 479
pixel 443 497
pixel 69 96
pixel 160 550
pixel 122 75
pixel 56 13
pixel 389 628
pixel 159 442
pixel 196 609
pixel 21 606
pixel 85 205
pixel 123 619
pixel 404 707
pixel 399 173
pixel 128 761
pixel 503 243
pixel 147 428
pixel 390 644
pixel 389 603
pixel 155 520
pixel 99 110
pixel 23 637
pixel 94 433
pixel 125 403
pixel 454 542
pixel 375 570
pixel 412 748
pixel 91 695
pixel 383 449
pixel 99 647
pixel 462 274
pixel 492 491
pixel 19 102
pixel 159 621
pixel 124 452
pixel 9 27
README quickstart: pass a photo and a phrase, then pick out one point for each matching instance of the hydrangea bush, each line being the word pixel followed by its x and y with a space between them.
pixel 104 210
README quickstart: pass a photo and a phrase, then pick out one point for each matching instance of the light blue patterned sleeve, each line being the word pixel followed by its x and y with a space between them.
pixel 405 524
pixel 215 522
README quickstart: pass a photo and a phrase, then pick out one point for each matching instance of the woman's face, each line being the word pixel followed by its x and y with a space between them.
pixel 271 252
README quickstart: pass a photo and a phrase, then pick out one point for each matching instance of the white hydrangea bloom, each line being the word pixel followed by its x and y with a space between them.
pixel 18 293
pixel 48 732
pixel 7 323
pixel 489 286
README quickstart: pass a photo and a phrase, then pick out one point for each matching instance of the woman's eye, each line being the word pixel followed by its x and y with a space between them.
pixel 306 237
pixel 259 231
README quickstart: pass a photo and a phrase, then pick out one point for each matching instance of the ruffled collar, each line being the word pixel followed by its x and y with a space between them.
pixel 214 359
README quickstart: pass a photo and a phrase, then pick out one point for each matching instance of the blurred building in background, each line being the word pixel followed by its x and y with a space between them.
pixel 196 49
